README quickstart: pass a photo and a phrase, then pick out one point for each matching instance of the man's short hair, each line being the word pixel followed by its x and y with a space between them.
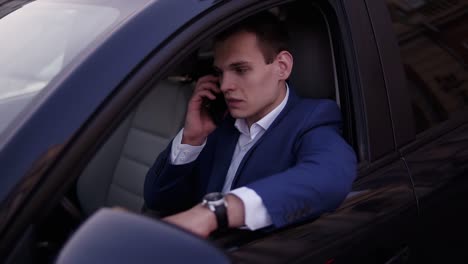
pixel 272 36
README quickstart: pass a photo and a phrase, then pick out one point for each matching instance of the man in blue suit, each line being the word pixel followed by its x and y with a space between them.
pixel 274 160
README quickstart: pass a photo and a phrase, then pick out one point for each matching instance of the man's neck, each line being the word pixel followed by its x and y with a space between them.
pixel 273 106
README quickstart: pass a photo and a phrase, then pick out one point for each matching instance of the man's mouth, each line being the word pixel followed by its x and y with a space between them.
pixel 232 102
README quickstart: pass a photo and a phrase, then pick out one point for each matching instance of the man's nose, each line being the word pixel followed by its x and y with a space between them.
pixel 226 84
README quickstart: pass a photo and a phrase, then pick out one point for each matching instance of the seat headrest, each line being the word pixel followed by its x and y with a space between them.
pixel 313 70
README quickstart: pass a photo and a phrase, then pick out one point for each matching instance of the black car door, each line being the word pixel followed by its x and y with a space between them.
pixel 431 75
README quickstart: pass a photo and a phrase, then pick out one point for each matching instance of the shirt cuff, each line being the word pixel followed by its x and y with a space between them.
pixel 184 153
pixel 256 214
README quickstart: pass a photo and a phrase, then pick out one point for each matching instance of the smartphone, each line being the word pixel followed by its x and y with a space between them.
pixel 216 108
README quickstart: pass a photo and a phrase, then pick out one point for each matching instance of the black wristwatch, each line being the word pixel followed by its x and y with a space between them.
pixel 217 204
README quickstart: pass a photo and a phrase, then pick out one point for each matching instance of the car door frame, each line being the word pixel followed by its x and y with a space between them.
pixel 424 152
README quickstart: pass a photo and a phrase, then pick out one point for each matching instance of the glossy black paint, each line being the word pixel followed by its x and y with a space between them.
pixel 391 64
pixel 406 181
pixel 362 57
pixel 440 172
pixel 436 160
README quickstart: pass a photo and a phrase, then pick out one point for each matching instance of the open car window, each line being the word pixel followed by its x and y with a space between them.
pixel 116 174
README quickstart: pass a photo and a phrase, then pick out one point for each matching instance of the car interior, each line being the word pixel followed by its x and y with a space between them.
pixel 114 177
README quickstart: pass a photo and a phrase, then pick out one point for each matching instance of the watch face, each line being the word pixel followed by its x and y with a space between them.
pixel 211 197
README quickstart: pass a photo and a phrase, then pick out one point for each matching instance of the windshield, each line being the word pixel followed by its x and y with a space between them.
pixel 38 41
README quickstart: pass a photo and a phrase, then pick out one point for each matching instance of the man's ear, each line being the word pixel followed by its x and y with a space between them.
pixel 285 64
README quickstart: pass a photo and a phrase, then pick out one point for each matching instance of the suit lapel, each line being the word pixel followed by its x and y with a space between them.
pixel 292 101
pixel 224 150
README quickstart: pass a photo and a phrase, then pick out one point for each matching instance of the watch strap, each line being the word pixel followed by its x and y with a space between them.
pixel 221 217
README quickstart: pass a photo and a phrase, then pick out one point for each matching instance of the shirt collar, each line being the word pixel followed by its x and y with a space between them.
pixel 266 121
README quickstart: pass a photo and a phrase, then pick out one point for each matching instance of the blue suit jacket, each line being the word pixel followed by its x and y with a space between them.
pixel 301 167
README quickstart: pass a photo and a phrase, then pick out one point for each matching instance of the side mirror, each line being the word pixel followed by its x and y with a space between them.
pixel 111 236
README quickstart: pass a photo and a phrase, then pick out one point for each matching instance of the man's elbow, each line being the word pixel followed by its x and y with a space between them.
pixel 346 186
pixel 338 190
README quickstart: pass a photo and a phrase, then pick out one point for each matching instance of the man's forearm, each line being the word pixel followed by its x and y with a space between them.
pixel 201 221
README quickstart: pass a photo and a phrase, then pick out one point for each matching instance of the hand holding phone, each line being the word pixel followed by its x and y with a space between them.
pixel 216 108
pixel 206 109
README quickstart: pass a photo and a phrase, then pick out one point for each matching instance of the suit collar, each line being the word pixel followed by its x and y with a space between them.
pixel 226 143
pixel 293 99
pixel 264 123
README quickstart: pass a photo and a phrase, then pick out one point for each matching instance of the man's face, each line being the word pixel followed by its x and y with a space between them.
pixel 251 87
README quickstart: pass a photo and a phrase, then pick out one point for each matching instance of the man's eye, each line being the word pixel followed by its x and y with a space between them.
pixel 241 70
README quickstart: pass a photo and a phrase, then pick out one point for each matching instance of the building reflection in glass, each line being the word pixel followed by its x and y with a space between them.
pixel 433 37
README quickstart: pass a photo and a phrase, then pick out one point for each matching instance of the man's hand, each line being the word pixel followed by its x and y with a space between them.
pixel 201 221
pixel 198 123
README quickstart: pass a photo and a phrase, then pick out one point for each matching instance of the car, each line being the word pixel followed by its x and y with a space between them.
pixel 92 90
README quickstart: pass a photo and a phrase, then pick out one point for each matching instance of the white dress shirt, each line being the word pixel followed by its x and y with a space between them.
pixel 256 215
